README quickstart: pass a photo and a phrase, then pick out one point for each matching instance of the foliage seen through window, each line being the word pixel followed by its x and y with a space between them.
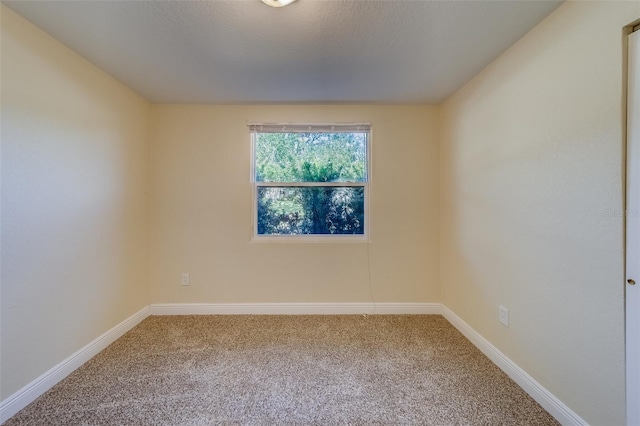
pixel 310 183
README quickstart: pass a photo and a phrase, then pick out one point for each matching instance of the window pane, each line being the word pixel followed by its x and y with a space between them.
pixel 311 157
pixel 316 210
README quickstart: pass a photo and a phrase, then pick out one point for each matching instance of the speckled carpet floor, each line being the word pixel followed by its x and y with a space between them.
pixel 321 370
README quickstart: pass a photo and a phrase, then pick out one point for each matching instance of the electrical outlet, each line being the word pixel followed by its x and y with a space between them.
pixel 504 316
pixel 184 280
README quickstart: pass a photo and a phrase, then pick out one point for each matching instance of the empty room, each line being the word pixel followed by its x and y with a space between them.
pixel 320 212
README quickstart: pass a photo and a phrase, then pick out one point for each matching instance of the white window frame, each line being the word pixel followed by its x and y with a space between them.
pixel 365 237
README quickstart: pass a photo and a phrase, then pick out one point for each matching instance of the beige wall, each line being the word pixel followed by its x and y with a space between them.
pixel 201 211
pixel 531 162
pixel 74 202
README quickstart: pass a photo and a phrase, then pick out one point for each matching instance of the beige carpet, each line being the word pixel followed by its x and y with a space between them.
pixel 323 370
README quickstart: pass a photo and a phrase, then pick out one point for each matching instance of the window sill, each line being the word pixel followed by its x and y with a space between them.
pixel 296 239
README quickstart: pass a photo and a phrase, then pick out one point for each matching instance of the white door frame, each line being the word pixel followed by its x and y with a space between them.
pixel 632 293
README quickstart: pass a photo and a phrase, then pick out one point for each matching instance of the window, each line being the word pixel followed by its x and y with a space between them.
pixel 311 180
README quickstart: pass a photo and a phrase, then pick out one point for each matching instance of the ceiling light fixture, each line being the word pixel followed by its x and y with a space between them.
pixel 277 3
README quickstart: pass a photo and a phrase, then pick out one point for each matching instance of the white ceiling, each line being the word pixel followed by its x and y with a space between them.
pixel 241 51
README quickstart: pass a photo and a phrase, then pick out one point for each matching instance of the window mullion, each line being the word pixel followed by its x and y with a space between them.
pixel 310 184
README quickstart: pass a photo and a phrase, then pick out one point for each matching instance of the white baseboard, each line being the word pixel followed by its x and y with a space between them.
pixel 546 399
pixel 46 381
pixel 293 308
